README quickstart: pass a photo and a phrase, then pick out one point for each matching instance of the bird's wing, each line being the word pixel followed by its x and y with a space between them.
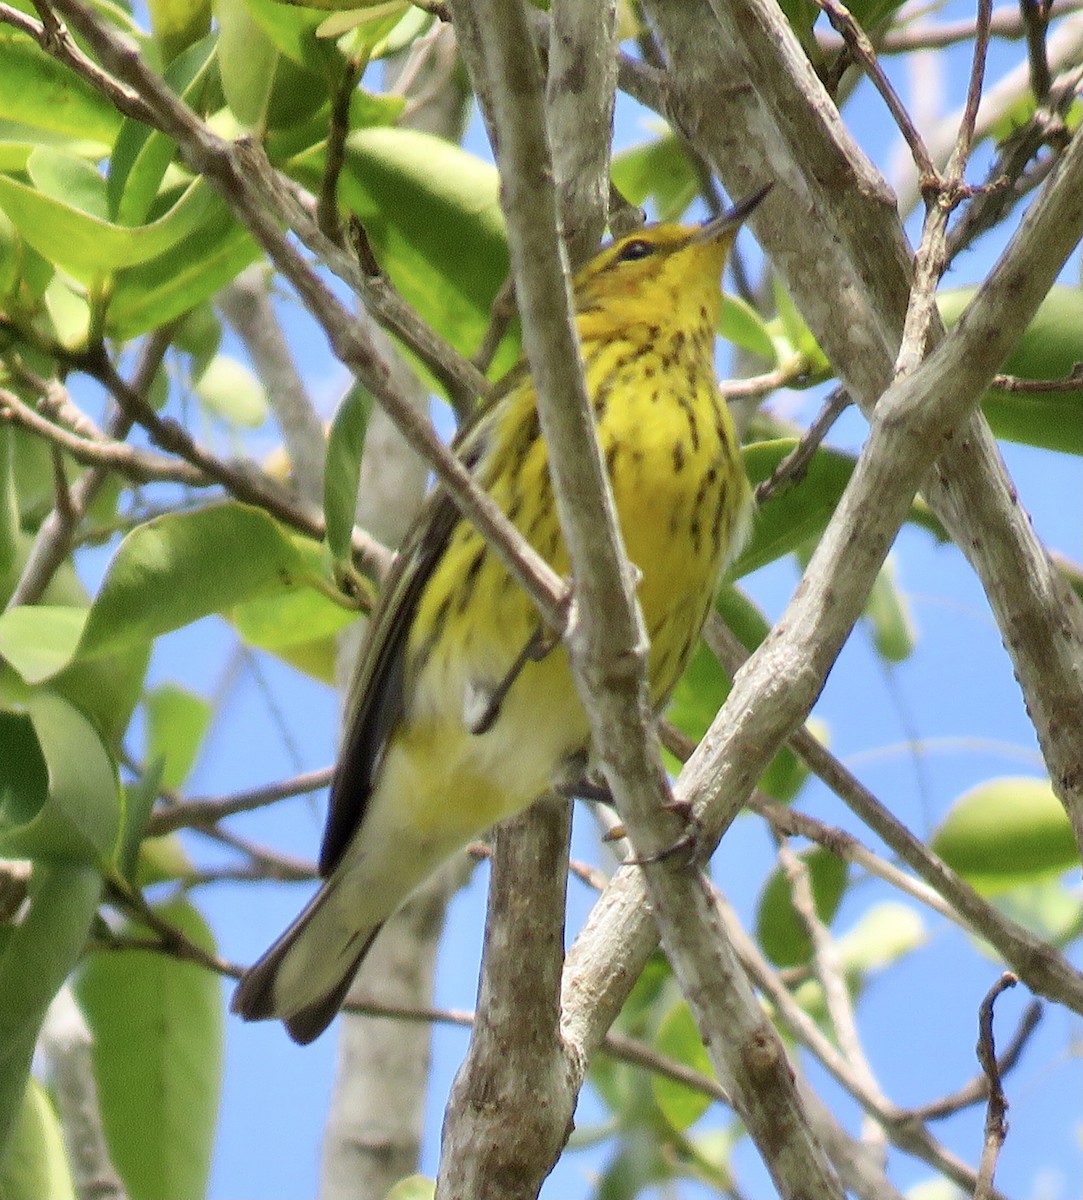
pixel 378 693
pixel 377 697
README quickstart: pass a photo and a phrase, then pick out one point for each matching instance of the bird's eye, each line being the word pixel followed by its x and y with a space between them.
pixel 635 249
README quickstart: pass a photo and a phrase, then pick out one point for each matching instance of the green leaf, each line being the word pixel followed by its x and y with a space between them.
pixel 178 23
pixel 36 1164
pixel 234 551
pixel 177 721
pixel 432 214
pixel 679 1038
pixel 80 240
pixel 292 29
pixel 742 325
pixel 231 391
pixel 106 689
pixel 148 296
pixel 301 627
pixel 142 154
pixel 139 799
pixel 40 640
pixel 1049 349
pixel 9 506
pixel 888 613
pixel 1005 832
pixel 158 1032
pixel 659 169
pixel 342 469
pixel 36 957
pixel 59 795
pixel 246 61
pixel 781 931
pixel 801 511
pixel 38 92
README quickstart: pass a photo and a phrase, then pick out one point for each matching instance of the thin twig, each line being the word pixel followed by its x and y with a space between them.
pixel 327 214
pixel 977 1089
pixel 206 811
pixel 996 1125
pixel 793 467
pixel 854 36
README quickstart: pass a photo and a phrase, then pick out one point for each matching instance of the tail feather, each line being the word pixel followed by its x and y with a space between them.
pixel 303 978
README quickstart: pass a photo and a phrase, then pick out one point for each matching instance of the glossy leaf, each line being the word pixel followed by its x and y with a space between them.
pixel 37 91
pixel 158 1033
pixel 247 60
pixel 801 511
pixel 142 154
pixel 40 640
pixel 1007 831
pixel 432 214
pixel 153 293
pixel 80 239
pixel 235 552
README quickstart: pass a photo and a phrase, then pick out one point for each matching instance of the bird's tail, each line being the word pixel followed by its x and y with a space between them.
pixel 303 978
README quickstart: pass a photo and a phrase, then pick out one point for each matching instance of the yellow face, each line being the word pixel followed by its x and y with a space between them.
pixel 667 275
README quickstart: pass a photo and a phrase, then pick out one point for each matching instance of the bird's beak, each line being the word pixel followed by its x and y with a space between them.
pixel 733 218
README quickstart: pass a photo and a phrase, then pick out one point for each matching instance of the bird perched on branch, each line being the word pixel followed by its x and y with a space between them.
pixel 461 714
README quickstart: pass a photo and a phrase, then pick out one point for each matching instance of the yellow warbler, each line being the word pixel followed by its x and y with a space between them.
pixel 451 727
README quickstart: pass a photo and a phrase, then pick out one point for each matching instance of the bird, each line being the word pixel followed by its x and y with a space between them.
pixel 460 713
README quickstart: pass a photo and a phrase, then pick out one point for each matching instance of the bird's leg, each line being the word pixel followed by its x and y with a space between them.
pixel 540 643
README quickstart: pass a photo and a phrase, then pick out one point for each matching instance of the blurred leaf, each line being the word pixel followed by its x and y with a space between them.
pixel 36 957
pixel 38 91
pixel 199 335
pixel 660 170
pixel 161 860
pixel 678 1038
pixel 36 1164
pixel 177 721
pixel 801 511
pixel 883 935
pixel 742 325
pixel 73 232
pixel 888 613
pixel 231 390
pixel 153 293
pixel 158 1035
pixel 292 29
pixel 59 795
pixel 139 798
pixel 9 506
pixel 177 24
pixel 1049 349
pixel 1049 909
pixel 342 469
pixel 106 689
pixel 247 58
pixel 141 154
pixel 797 337
pixel 234 551
pixel 301 627
pixel 780 930
pixel 1006 831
